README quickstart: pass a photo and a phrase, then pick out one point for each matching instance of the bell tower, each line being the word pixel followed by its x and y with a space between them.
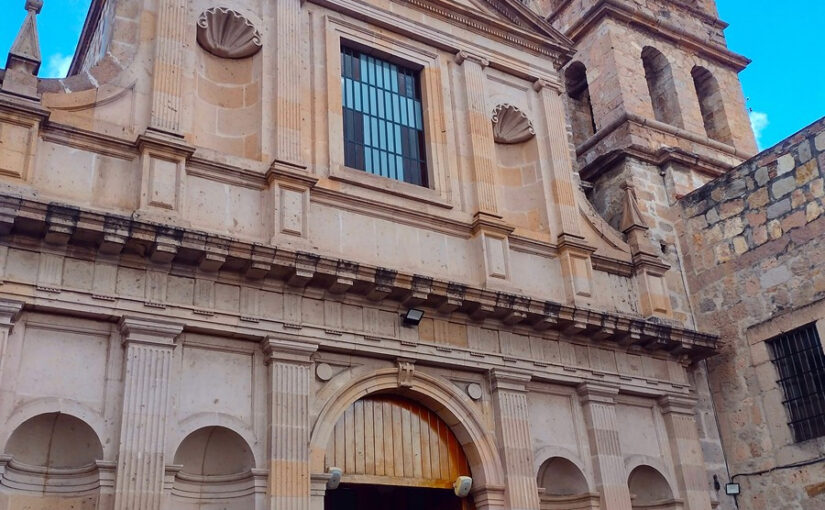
pixel 652 90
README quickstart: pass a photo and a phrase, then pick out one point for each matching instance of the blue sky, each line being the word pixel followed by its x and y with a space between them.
pixel 785 84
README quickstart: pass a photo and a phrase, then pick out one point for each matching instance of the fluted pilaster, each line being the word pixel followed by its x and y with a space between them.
pixel 513 431
pixel 140 469
pixel 288 82
pixel 680 421
pixel 9 313
pixel 168 71
pixel 555 152
pixel 289 373
pixel 599 406
pixel 482 145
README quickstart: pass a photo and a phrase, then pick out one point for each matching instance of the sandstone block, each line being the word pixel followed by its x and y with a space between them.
pixel 777 209
pixel 785 164
pixel 806 172
pixel 812 211
pixel 782 187
pixel 819 141
pixel 775 229
pixel 758 198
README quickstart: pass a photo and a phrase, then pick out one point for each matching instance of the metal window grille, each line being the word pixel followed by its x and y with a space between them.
pixel 800 362
pixel 383 125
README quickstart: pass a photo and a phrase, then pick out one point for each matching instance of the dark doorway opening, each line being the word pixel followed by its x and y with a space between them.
pixel 389 497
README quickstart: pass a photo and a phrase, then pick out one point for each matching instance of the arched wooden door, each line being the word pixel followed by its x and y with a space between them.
pixel 388 440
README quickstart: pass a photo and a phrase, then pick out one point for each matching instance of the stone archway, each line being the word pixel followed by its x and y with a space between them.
pixel 441 398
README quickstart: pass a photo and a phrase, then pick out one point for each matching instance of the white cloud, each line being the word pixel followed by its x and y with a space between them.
pixel 57 66
pixel 759 121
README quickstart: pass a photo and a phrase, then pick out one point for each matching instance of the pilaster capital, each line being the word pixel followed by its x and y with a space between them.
pixel 463 56
pixel 149 331
pixel 488 496
pixel 10 311
pixel 542 84
pixel 678 404
pixel 591 393
pixel 509 381
pixel 318 483
pixel 291 351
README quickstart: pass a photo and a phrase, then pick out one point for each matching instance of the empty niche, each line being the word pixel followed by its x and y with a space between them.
pixel 518 173
pixel 578 103
pixel 228 84
pixel 563 486
pixel 650 489
pixel 662 88
pixel 213 466
pixel 711 105
pixel 51 461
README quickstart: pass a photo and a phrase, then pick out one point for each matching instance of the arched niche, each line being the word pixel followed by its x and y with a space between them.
pixel 228 84
pixel 579 104
pixel 661 86
pixel 51 460
pixel 518 174
pixel 214 466
pixel 390 440
pixel 563 486
pixel 649 489
pixel 711 105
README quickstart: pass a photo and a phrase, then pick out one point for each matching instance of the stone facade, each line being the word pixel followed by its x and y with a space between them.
pixel 202 303
pixel 754 262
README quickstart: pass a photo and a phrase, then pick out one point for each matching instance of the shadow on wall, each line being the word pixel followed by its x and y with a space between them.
pixel 52 461
pixel 213 466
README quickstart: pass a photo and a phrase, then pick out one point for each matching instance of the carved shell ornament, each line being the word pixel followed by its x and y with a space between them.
pixel 227 34
pixel 511 125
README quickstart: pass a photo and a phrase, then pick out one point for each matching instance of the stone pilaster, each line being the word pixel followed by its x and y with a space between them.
pixel 557 169
pixel 482 145
pixel 140 467
pixel 513 434
pixel 555 150
pixel 289 428
pixel 288 83
pixel 9 313
pixel 318 490
pixel 170 38
pixel 680 421
pixel 599 406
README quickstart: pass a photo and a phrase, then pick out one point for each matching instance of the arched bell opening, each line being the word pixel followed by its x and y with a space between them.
pixel 650 490
pixel 394 453
pixel 213 468
pixel 52 460
pixel 563 486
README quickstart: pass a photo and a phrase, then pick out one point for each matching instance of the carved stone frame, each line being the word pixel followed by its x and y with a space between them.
pixel 338 30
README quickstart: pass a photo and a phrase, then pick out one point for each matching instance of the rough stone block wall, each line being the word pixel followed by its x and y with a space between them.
pixel 754 241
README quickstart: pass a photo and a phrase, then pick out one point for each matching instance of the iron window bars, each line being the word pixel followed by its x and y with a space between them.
pixel 800 362
pixel 383 125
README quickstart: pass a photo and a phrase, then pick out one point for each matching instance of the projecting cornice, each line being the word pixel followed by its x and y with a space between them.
pixel 109 233
pixel 517 27
pixel 617 10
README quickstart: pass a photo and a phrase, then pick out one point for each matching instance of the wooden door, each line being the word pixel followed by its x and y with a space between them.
pixel 388 440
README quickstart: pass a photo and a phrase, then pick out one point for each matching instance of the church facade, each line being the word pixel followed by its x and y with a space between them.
pixel 339 254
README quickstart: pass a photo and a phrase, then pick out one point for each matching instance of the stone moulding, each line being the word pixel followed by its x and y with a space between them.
pixel 112 233
pixel 511 125
pixel 228 34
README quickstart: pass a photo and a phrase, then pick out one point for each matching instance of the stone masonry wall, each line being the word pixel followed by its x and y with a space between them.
pixel 754 245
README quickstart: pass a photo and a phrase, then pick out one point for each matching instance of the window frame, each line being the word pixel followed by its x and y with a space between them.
pixel 395 125
pixel 797 369
pixel 771 394
pixel 386 45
